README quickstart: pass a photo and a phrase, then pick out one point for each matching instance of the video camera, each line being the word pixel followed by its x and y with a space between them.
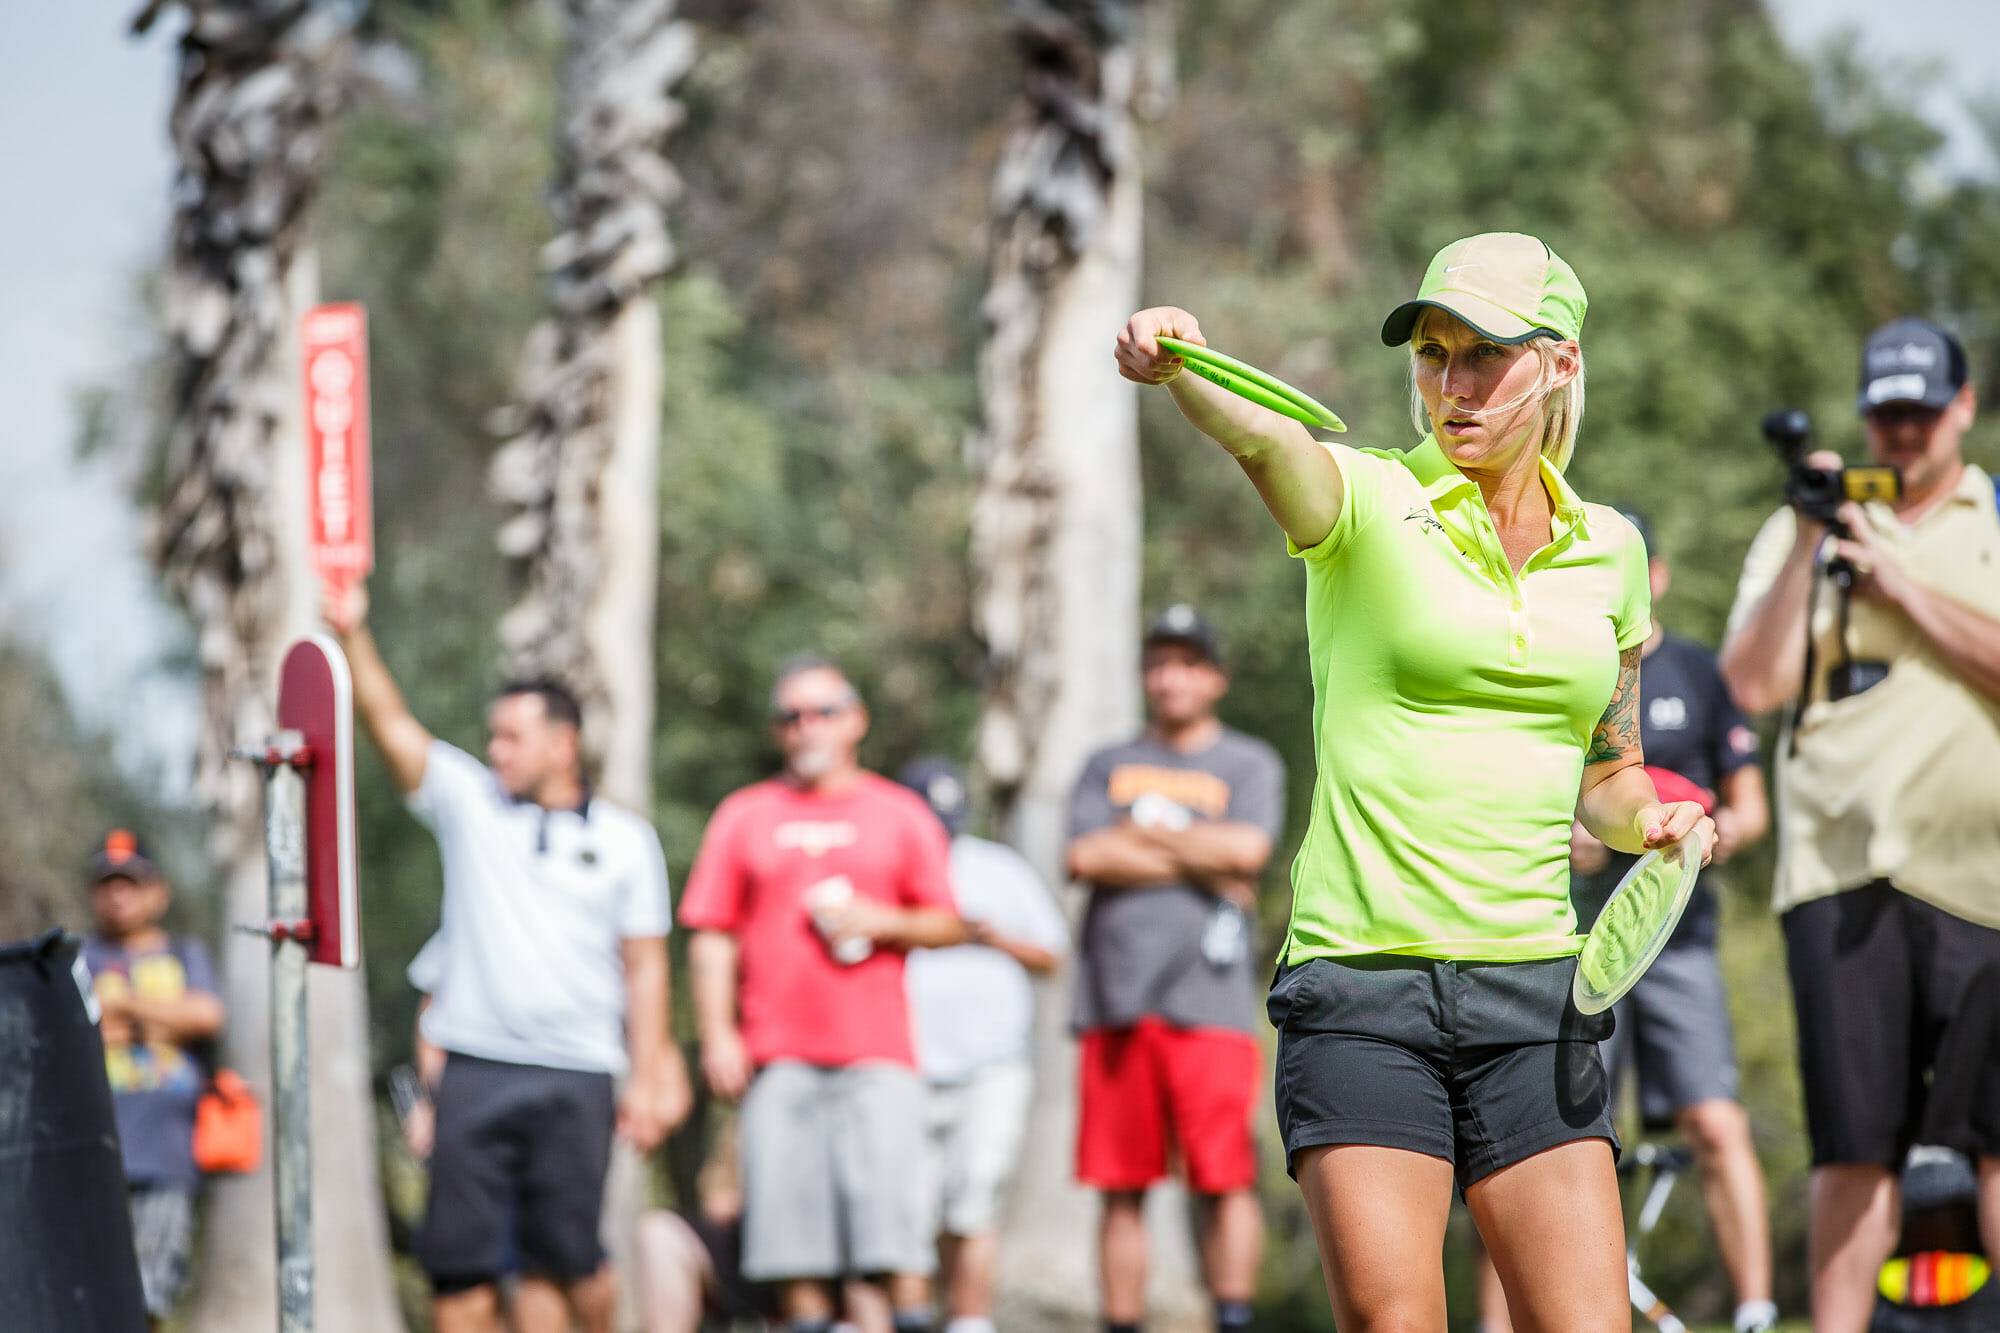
pixel 1818 492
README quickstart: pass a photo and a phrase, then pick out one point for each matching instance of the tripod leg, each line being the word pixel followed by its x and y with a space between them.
pixel 1652 1307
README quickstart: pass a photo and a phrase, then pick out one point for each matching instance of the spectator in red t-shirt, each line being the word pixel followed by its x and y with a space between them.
pixel 808 890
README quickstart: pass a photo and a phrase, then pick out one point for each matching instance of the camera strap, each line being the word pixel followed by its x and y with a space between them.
pixel 1812 611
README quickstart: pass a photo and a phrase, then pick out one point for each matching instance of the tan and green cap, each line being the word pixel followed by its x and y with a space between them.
pixel 1508 286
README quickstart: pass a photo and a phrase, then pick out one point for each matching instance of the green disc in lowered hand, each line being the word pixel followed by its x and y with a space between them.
pixel 1636 922
pixel 1246 381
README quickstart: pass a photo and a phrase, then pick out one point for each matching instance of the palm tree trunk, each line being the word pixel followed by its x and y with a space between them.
pixel 1056 554
pixel 583 473
pixel 259 84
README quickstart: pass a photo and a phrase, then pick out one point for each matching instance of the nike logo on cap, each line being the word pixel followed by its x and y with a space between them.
pixel 1453 268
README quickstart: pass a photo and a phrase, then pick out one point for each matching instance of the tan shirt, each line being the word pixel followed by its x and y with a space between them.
pixel 1902 781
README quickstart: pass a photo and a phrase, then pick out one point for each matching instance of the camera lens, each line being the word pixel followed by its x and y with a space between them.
pixel 1788 427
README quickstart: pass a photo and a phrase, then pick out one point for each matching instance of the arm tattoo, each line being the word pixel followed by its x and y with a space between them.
pixel 1617 733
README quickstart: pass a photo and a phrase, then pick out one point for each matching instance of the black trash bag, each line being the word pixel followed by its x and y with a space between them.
pixel 67 1260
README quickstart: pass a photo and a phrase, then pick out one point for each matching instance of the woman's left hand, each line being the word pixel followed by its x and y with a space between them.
pixel 1660 823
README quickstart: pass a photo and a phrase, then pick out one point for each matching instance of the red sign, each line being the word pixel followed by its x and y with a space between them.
pixel 340 527
pixel 316 699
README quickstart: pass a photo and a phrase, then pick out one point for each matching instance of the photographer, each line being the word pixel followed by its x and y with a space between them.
pixel 1889 825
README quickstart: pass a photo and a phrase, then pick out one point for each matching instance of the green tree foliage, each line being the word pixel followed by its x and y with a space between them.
pixel 818 388
pixel 61 790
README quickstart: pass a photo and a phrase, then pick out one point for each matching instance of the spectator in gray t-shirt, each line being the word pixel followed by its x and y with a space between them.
pixel 1170 832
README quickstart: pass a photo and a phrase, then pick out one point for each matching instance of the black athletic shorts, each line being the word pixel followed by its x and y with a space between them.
pixel 1885 991
pixel 1481 1064
pixel 517 1173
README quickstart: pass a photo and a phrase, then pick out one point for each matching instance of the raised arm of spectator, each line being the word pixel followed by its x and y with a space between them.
pixel 725 1060
pixel 404 742
pixel 656 1097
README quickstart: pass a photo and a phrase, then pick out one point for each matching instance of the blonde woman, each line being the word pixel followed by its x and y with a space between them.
pixel 1474 631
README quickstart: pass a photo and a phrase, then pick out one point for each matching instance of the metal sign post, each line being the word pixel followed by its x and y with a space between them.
pixel 285 760
pixel 315 918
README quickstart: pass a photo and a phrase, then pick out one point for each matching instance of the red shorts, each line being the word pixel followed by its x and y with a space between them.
pixel 1145 1088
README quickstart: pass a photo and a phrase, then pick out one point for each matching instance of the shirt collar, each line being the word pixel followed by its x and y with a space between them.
pixel 1974 486
pixel 581 809
pixel 1440 479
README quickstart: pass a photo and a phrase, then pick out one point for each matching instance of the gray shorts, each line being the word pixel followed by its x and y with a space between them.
pixel 163 1235
pixel 1480 1064
pixel 974 1139
pixel 1677 1019
pixel 830 1185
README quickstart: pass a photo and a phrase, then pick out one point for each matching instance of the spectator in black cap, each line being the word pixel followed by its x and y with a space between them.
pixel 972 1010
pixel 159 1011
pixel 1887 828
pixel 1169 832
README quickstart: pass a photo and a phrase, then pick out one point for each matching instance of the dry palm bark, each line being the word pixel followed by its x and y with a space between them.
pixel 1056 539
pixel 259 83
pixel 582 471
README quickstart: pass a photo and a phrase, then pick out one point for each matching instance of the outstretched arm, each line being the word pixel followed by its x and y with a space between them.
pixel 1297 478
pixel 404 742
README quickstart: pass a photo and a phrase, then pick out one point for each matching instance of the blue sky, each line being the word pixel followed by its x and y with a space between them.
pixel 82 109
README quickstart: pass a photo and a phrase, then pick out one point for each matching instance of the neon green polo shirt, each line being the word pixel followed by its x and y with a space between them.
pixel 1453 702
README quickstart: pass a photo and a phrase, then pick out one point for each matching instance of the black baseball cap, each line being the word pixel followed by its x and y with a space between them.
pixel 1910 361
pixel 942 785
pixel 122 857
pixel 1181 623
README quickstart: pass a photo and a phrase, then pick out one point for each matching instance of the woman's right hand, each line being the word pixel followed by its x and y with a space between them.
pixel 1294 474
pixel 1141 359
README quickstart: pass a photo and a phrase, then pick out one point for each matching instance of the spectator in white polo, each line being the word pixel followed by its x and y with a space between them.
pixel 972 1007
pixel 553 984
